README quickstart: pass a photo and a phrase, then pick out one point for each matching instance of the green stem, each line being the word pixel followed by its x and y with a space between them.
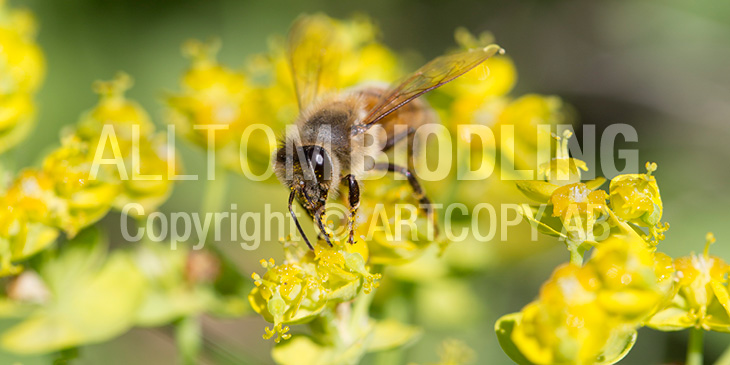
pixel 188 331
pixel 576 258
pixel 577 251
pixel 214 194
pixel 188 338
pixel 695 348
pixel 361 309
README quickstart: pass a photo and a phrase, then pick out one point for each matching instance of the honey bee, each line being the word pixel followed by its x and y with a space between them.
pixel 328 145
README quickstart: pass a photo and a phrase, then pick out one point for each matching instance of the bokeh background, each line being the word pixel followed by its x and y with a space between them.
pixel 661 66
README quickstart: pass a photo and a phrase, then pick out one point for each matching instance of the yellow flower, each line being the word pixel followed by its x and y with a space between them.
pixel 17 118
pixel 22 65
pixel 145 179
pixel 78 201
pixel 115 110
pixel 22 68
pixel 299 289
pixel 148 182
pixel 363 57
pixel 636 198
pixel 577 198
pixel 216 100
pixel 635 281
pixel 390 222
pixel 24 225
pixel 579 208
pixel 702 299
pixel 212 94
pixel 563 169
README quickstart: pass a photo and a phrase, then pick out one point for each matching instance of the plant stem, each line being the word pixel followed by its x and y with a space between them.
pixel 694 347
pixel 576 253
pixel 361 309
pixel 214 194
pixel 188 331
pixel 188 338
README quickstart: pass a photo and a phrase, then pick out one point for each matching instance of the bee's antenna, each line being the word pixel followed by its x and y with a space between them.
pixel 296 221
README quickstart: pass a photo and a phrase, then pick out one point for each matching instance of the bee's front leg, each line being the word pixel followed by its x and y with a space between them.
pixel 322 229
pixel 354 201
pixel 296 221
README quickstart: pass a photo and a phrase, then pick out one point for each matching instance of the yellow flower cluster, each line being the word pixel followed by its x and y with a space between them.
pixel 585 213
pixel 588 314
pixel 299 289
pixel 147 162
pixel 22 68
pixel 702 298
pixel 66 194
pixel 214 96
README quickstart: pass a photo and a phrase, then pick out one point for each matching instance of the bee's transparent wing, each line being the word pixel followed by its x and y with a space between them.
pixel 432 75
pixel 314 57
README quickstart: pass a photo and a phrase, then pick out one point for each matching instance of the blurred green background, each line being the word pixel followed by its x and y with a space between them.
pixel 661 66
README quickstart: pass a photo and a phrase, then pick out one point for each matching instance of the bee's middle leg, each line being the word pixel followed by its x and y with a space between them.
pixel 354 201
pixel 397 137
pixel 418 192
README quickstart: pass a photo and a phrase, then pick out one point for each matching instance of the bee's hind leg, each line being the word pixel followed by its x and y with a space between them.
pixel 418 192
pixel 354 201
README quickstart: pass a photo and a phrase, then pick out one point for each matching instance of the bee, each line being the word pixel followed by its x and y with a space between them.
pixel 333 140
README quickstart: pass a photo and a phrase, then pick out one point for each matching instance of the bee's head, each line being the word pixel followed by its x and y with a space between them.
pixel 309 171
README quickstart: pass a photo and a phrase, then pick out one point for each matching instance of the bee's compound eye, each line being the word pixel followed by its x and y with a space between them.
pixel 320 162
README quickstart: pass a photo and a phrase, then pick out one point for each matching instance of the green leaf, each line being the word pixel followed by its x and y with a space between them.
pixel 670 319
pixel 545 222
pixel 301 350
pixel 169 295
pixel 161 307
pixel 504 327
pixel 94 299
pixel 77 258
pixel 617 349
pixel 389 334
pixel 537 190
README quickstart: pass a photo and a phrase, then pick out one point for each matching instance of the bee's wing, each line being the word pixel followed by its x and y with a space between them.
pixel 432 75
pixel 313 57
